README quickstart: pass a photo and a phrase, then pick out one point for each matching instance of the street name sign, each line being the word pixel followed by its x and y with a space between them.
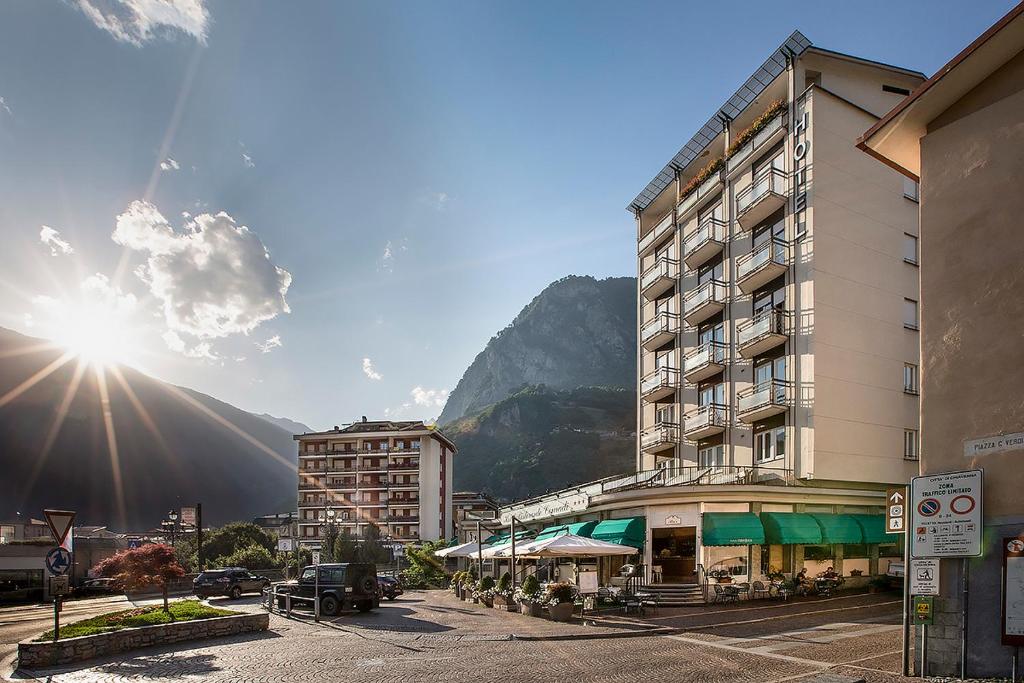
pixel 924 577
pixel 946 519
pixel 896 510
pixel 60 522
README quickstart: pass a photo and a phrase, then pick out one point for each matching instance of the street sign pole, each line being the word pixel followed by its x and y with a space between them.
pixel 906 605
pixel 199 535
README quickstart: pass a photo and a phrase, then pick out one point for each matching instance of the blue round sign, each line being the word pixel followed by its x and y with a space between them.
pixel 58 561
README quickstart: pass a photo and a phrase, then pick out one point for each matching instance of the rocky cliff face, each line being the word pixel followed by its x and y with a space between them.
pixel 578 332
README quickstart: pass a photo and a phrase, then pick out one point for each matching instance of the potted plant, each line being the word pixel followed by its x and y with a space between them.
pixel 528 597
pixel 456 584
pixel 560 600
pixel 485 591
pixel 503 594
pixel 856 572
pixel 469 586
pixel 878 584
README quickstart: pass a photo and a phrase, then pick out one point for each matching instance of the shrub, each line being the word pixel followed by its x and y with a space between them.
pixel 505 584
pixel 530 589
pixel 773 110
pixel 486 584
pixel 137 568
pixel 252 557
pixel 560 592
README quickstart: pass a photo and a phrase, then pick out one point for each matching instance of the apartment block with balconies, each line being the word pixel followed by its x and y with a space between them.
pixel 396 475
pixel 776 305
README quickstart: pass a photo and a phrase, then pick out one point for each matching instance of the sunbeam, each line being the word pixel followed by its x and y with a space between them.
pixel 25 350
pixel 108 425
pixel 146 418
pixel 35 379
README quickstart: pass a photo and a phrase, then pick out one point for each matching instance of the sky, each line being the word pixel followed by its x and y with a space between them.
pixel 324 210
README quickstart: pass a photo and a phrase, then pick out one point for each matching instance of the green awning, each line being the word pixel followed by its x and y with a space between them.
pixel 505 537
pixel 577 528
pixel 631 531
pixel 838 528
pixel 731 528
pixel 788 528
pixel 873 527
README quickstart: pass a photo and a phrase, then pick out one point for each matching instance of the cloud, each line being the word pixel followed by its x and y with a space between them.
pixel 440 200
pixel 213 280
pixel 3 105
pixel 269 345
pixel 52 239
pixel 247 160
pixel 387 259
pixel 169 164
pixel 136 21
pixel 429 397
pixel 98 294
pixel 369 371
pixel 177 344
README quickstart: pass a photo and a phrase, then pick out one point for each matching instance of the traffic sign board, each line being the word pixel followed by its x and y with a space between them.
pixel 60 522
pixel 947 515
pixel 58 561
pixel 60 585
pixel 895 510
pixel 924 577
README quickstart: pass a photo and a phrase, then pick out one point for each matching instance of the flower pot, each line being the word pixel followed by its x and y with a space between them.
pixel 531 608
pixel 561 612
pixel 488 601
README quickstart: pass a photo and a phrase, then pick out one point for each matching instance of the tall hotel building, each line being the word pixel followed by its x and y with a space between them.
pixel 397 475
pixel 777 317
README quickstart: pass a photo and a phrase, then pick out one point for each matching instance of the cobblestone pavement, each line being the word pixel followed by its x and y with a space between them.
pixel 432 636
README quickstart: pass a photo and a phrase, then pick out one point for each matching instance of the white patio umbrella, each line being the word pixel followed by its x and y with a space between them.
pixel 504 550
pixel 571 545
pixel 465 550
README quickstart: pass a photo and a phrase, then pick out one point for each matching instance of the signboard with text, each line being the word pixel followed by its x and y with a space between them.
pixel 945 514
pixel 990 445
pixel 1013 591
pixel 547 508
pixel 188 516
pixel 896 510
pixel 924 577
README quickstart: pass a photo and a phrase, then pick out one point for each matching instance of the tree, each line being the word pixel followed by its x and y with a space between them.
pixel 235 536
pixel 345 547
pixel 149 565
pixel 253 557
pixel 371 549
pixel 327 543
pixel 424 570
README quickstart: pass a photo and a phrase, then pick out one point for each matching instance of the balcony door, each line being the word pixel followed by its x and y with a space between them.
pixel 667 250
pixel 769 299
pixel 666 414
pixel 774 159
pixel 770 374
pixel 664 359
pixel 711 394
pixel 711 456
pixel 665 305
pixel 770 444
pixel 712 334
pixel 773 228
pixel 709 272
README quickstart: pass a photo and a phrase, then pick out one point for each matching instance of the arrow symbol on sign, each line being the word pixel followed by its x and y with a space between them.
pixel 896 497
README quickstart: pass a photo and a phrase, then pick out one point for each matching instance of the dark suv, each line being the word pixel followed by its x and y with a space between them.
pixel 229 581
pixel 345 586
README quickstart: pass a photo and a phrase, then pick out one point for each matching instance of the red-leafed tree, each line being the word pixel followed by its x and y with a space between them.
pixel 149 565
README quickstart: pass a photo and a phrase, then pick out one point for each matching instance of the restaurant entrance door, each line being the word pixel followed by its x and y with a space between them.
pixel 674 550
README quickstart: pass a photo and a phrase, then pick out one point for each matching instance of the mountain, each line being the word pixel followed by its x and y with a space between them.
pixel 578 332
pixel 540 440
pixel 290 426
pixel 174 446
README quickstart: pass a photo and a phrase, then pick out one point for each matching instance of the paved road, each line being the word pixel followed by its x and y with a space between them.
pixel 431 636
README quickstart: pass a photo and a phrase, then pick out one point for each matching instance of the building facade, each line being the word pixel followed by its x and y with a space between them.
pixel 778 337
pixel 397 475
pixel 470 507
pixel 962 135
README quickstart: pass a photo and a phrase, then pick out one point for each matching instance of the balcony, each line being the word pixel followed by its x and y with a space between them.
pixel 703 302
pixel 694 198
pixel 373 484
pixel 764 263
pixel 660 330
pixel 762 198
pixel 660 437
pixel 403 519
pixel 705 421
pixel 403 465
pixel 659 278
pixel 768 136
pixel 705 361
pixel 705 241
pixel 405 486
pixel 659 384
pixel 663 228
pixel 762 333
pixel 763 400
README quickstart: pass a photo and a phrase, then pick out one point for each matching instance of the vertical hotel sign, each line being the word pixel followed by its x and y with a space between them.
pixel 801 146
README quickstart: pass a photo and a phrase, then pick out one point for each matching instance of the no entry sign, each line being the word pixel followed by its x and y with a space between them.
pixel 946 515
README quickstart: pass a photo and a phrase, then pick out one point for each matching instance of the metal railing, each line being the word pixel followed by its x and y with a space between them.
pixel 661 432
pixel 363 451
pixel 770 392
pixel 705 354
pixel 769 321
pixel 663 267
pixel 664 322
pixel 694 196
pixel 773 251
pixel 710 291
pixel 711 415
pixel 770 180
pixel 710 229
pixel 696 475
pixel 659 230
pixel 758 141
pixel 662 378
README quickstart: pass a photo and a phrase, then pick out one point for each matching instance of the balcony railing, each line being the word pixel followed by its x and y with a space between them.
pixel 713 182
pixel 705 421
pixel 659 330
pixel 765 195
pixel 763 332
pixel 762 264
pixel 765 136
pixel 703 302
pixel 706 240
pixel 660 230
pixel 763 400
pixel 660 277
pixel 661 436
pixel 660 383
pixel 704 361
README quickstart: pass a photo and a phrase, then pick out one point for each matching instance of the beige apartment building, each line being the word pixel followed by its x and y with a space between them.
pixel 962 135
pixel 778 339
pixel 397 475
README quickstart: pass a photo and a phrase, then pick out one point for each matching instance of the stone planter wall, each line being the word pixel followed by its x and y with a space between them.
pixel 41 655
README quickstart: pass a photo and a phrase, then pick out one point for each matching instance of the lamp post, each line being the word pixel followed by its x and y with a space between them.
pixel 170 523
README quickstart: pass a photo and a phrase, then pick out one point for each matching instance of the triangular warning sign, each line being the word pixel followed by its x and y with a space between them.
pixel 60 522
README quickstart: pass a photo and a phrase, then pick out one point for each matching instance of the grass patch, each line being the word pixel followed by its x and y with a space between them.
pixel 182 610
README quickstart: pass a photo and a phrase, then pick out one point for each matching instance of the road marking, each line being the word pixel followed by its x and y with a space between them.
pixel 775 606
pixel 770 655
pixel 702 627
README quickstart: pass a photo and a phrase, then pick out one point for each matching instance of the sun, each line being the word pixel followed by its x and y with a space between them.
pixel 99 340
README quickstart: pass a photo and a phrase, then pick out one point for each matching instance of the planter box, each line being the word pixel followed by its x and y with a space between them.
pixel 531 609
pixel 489 602
pixel 500 602
pixel 561 612
pixel 42 655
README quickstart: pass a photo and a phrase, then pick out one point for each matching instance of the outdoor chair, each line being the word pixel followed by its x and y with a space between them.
pixel 759 590
pixel 649 602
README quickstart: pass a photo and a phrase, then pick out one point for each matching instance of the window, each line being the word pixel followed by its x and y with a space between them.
pixel 712 456
pixel 770 444
pixel 910 314
pixel 911 190
pixel 666 414
pixel 910 381
pixel 6 534
pixel 910 248
pixel 910 444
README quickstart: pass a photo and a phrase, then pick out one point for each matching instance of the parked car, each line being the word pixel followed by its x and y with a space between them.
pixel 229 581
pixel 342 586
pixel 390 588
pixel 91 587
